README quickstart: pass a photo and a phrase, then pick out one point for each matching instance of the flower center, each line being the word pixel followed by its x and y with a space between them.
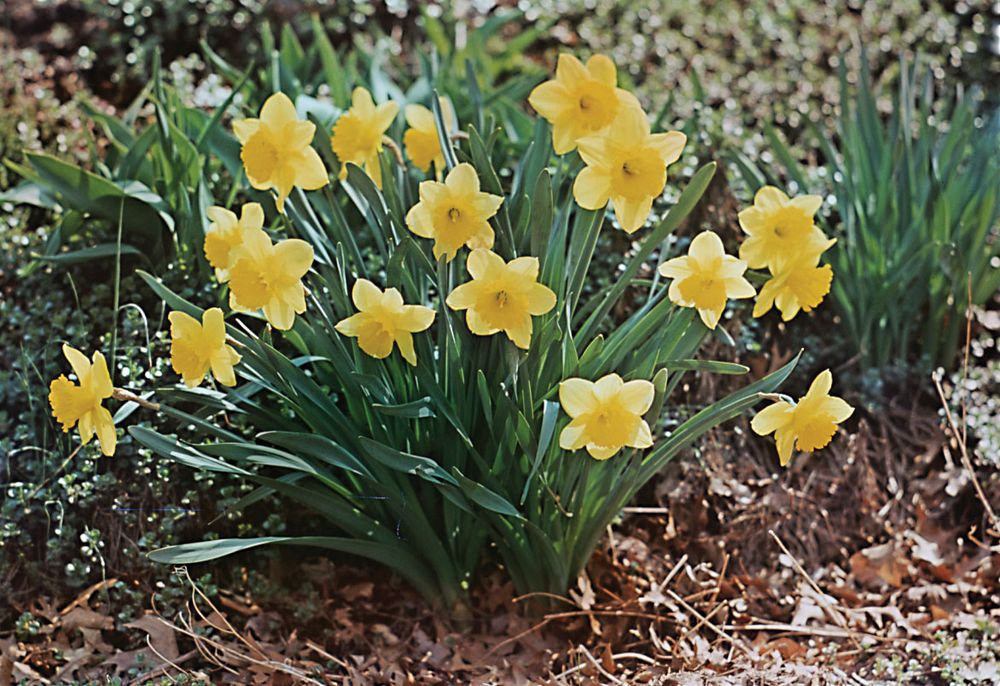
pixel 454 214
pixel 586 102
pixel 260 156
pixel 641 175
pixel 502 298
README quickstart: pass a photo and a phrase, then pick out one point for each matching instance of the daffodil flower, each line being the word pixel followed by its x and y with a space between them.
pixel 580 100
pixel 502 296
pixel 269 277
pixel 806 425
pixel 780 229
pixel 276 150
pixel 199 347
pixel 628 166
pixel 607 415
pixel 423 146
pixel 454 213
pixel 706 278
pixel 80 403
pixel 357 135
pixel 225 233
pixel 383 320
pixel 799 284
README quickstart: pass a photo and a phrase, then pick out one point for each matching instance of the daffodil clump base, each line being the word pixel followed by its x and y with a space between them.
pixel 409 345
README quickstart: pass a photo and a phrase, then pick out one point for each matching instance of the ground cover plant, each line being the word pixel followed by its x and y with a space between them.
pixel 873 558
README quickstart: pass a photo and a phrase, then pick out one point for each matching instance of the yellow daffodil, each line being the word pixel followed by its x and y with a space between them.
pixel 502 296
pixel 626 165
pixel 706 278
pixel 357 135
pixel 607 415
pixel 276 150
pixel 454 213
pixel 81 403
pixel 269 277
pixel 780 228
pixel 795 285
pixel 421 140
pixel 806 425
pixel 580 100
pixel 199 347
pixel 226 232
pixel 383 320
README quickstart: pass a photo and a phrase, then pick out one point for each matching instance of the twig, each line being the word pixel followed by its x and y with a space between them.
pixel 966 462
pixel 128 396
pixel 820 595
pixel 599 666
pixel 716 630
pixel 826 632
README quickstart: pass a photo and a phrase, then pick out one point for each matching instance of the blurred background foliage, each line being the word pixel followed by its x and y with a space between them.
pixel 75 84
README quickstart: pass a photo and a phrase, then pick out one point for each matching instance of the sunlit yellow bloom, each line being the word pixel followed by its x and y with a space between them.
pixel 383 320
pixel 580 100
pixel 780 228
pixel 421 140
pixel 806 425
pixel 796 285
pixel 454 213
pixel 706 278
pixel 199 347
pixel 276 150
pixel 502 296
pixel 226 232
pixel 269 277
pixel 357 135
pixel 607 415
pixel 72 403
pixel 627 165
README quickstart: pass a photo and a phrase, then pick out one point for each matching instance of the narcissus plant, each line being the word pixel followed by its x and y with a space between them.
pixel 607 415
pixel 626 164
pixel 502 296
pixel 580 100
pixel 423 146
pixel 197 348
pixel 384 320
pixel 277 152
pixel 267 276
pixel 807 425
pixel 225 234
pixel 454 213
pixel 79 404
pixel 357 135
pixel 706 278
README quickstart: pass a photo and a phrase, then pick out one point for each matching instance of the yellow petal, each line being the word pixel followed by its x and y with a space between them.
pixel 838 409
pixel 676 268
pixel 310 172
pixel 577 397
pixel 785 441
pixel 706 247
pixel 463 179
pixel 601 452
pixel 405 342
pixel 251 216
pixel 541 299
pixel 214 327
pixel 643 437
pixel 772 418
pixel 569 69
pixel 416 318
pixel 419 117
pixel 105 427
pixel 279 314
pixel 520 333
pixel 572 437
pixel 419 220
pixel 821 385
pixel 366 295
pixel 295 256
pixel 607 387
pixel 549 99
pixel 637 396
pixel 277 111
pixel 592 189
pixel 669 145
pixel 222 366
pixel 770 198
pixel 632 214
pixel 78 361
pixel 482 263
pixel 245 128
pixel 603 69
pixel 463 297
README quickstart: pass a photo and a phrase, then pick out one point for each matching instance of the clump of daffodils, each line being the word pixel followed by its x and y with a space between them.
pixel 458 385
